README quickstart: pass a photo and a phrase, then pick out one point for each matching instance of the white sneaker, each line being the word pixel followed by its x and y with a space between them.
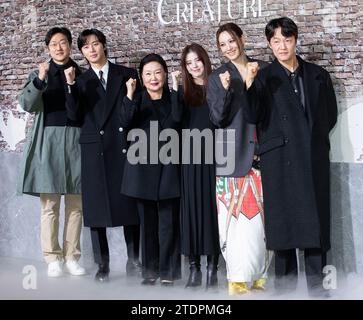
pixel 73 267
pixel 55 269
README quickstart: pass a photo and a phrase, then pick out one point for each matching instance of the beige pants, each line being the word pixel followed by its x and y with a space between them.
pixel 50 203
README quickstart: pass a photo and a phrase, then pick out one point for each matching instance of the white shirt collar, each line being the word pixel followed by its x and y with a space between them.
pixel 104 69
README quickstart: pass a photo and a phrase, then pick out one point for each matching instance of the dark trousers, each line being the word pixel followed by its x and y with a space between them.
pixel 100 244
pixel 160 238
pixel 286 268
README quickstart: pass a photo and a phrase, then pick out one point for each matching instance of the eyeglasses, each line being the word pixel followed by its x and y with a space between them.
pixel 62 43
pixel 282 42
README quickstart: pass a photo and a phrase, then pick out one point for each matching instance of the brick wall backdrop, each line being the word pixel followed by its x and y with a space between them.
pixel 330 35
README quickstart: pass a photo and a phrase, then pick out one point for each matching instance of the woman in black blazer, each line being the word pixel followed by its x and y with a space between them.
pixel 238 185
pixel 148 176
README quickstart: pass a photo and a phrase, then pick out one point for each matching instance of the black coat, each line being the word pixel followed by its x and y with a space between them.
pixel 294 149
pixel 226 113
pixel 103 147
pixel 149 181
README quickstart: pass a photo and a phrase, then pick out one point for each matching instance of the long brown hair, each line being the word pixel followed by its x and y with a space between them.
pixel 235 32
pixel 194 94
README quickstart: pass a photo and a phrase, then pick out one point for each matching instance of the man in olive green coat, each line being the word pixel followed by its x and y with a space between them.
pixel 51 165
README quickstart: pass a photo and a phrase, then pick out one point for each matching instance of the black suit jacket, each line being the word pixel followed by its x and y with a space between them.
pixel 226 113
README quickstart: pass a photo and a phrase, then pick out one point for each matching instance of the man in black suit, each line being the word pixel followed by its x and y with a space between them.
pixel 294 105
pixel 95 99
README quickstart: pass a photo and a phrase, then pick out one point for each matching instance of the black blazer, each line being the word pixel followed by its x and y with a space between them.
pixel 226 113
pixel 103 146
pixel 146 180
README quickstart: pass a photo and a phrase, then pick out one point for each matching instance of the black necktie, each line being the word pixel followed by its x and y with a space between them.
pixel 102 79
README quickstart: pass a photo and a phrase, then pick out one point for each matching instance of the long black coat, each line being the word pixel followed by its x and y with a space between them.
pixel 226 113
pixel 103 147
pixel 149 181
pixel 294 149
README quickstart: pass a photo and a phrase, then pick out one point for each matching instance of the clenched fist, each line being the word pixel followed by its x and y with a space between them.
pixel 252 70
pixel 131 87
pixel 225 78
pixel 43 70
pixel 176 78
pixel 70 74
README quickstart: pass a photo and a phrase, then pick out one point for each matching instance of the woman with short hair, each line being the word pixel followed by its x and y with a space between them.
pixel 154 183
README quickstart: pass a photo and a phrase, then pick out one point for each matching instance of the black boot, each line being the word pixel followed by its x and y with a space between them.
pixel 212 268
pixel 195 275
pixel 103 271
pixel 133 268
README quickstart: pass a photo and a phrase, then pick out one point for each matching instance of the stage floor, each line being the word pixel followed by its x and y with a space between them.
pixel 13 284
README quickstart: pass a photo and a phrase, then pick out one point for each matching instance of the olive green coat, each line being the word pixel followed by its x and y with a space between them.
pixel 52 158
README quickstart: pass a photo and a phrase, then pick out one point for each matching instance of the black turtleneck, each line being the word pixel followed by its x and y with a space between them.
pixel 54 96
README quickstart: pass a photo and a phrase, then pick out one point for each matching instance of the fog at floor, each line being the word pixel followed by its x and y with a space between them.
pixel 27 279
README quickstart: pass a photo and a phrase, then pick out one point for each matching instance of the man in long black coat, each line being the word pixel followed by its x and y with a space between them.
pixel 95 99
pixel 293 102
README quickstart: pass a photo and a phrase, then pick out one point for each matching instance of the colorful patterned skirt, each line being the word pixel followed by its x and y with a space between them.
pixel 241 226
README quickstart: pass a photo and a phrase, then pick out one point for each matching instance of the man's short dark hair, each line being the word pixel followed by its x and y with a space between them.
pixel 82 39
pixel 288 28
pixel 56 30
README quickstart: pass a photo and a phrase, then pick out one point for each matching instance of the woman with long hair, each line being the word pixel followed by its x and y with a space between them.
pixel 199 225
pixel 238 189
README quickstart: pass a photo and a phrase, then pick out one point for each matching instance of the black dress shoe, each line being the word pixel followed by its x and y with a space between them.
pixel 133 268
pixel 148 282
pixel 102 273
